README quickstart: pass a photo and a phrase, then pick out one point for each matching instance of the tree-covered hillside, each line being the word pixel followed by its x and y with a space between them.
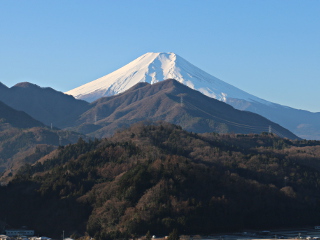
pixel 20 146
pixel 158 177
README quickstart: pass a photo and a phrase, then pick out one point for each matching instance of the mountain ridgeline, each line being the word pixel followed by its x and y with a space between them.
pixel 154 67
pixel 24 138
pixel 303 123
pixel 14 118
pixel 173 102
pixel 44 104
pixel 167 100
pixel 158 177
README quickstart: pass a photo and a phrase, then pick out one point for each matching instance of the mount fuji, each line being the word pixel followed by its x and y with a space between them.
pixel 155 67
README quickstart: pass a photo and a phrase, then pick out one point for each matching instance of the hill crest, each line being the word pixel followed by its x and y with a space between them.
pixel 173 102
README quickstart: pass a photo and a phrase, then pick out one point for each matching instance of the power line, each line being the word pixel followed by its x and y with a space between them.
pixel 233 123
pixel 278 133
pixel 241 125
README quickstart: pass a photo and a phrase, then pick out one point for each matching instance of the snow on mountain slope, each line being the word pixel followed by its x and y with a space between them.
pixel 155 67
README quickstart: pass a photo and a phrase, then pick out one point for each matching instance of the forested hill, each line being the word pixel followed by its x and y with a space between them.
pixel 158 177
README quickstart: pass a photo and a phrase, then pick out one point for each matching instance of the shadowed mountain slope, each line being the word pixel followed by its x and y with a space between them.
pixel 44 104
pixel 303 123
pixel 16 118
pixel 173 102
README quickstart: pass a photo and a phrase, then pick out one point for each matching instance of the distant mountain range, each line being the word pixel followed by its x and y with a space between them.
pixel 167 100
pixel 25 139
pixel 155 67
pixel 44 104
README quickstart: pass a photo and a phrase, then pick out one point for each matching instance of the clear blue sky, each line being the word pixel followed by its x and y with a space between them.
pixel 268 48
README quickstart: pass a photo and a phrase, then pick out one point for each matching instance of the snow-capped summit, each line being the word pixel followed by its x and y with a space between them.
pixel 155 67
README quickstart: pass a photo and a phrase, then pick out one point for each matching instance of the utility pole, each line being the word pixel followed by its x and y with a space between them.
pixel 270 129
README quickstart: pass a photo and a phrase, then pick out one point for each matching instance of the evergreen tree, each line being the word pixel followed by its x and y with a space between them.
pixel 174 235
pixel 148 236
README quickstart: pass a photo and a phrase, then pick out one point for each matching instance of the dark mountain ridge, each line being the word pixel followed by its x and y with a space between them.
pixel 2 86
pixel 168 101
pixel 44 104
pixel 173 102
pixel 17 118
